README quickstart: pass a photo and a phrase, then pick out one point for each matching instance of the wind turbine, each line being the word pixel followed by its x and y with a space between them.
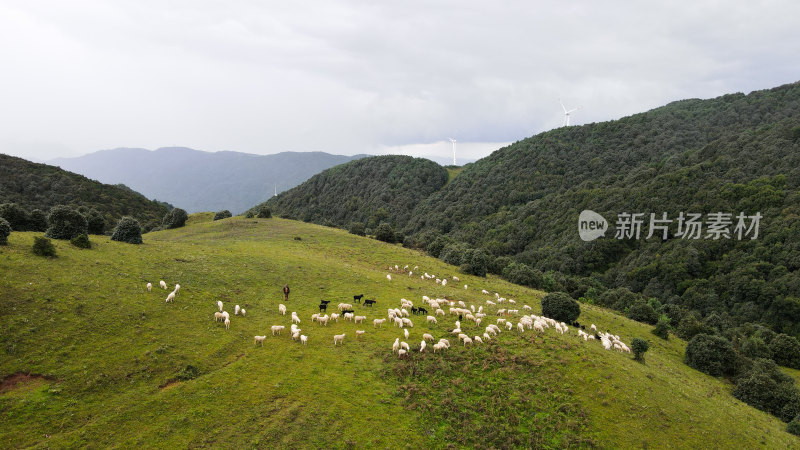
pixel 566 113
pixel 276 190
pixel 453 141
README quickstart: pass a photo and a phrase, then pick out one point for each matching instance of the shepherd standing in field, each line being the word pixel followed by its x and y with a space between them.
pixel 286 292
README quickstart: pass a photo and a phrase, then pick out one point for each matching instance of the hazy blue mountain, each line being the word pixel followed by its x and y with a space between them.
pixel 202 181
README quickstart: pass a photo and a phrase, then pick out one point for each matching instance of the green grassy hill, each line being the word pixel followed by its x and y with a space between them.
pixel 92 359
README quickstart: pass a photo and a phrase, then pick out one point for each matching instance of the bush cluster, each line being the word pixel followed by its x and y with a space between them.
pixel 127 230
pixel 174 219
pixel 5 231
pixel 65 223
pixel 224 214
pixel 43 247
pixel 81 241
pixel 560 306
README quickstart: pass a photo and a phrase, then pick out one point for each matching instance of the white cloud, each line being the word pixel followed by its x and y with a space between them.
pixel 351 76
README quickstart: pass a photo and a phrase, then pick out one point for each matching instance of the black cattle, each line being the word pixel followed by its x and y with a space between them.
pixel 323 307
pixel 357 298
pixel 369 302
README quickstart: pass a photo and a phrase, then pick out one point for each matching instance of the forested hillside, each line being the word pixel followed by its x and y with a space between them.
pixel 40 186
pixel 369 190
pixel 732 154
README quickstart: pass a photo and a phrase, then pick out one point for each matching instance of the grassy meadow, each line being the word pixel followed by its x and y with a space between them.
pixel 90 358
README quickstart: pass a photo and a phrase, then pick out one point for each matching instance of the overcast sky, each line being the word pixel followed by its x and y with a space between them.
pixel 365 76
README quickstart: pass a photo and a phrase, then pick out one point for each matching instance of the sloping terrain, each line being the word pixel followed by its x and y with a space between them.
pixel 91 358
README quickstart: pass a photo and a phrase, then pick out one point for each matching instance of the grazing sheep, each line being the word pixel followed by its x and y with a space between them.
pixel 404 345
pixel 338 338
pixel 396 345
pixel 343 306
pixel 335 317
pixel 163 284
pixel 467 340
pixel 359 333
pixel 236 310
pixel 427 337
pixel 149 287
pixel 484 291
pixel 348 316
pixel 520 327
pixel 439 312
pixel 594 328
pixel 177 288
pixel 465 286
pixel 377 322
pixel 486 336
pixel 422 346
pixel 303 339
pixel 227 323
pixel 282 309
pixel 401 352
pixel 437 347
pixel 226 315
pixel 218 316
pixel 295 319
pixel 444 282
pixel 277 329
pixel 407 322
pixel 259 340
pixel 219 303
pixel 243 312
pixel 462 336
pixel 359 319
pixel 323 320
pixel 526 307
pixel 478 340
pixel 388 277
pixel 432 320
pixel 405 332
pixel 296 335
pixel 455 278
pixel 171 297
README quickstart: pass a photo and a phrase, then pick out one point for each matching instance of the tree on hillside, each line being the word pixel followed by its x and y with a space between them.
pixel 127 230
pixel 560 306
pixel 385 233
pixel 175 218
pixel 15 216
pixel 5 231
pixel 65 223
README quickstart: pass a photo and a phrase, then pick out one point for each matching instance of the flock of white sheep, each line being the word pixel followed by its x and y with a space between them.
pixel 470 332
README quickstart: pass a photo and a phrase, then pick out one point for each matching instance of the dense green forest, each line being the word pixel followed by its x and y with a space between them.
pixel 519 208
pixel 369 190
pixel 732 154
pixel 39 186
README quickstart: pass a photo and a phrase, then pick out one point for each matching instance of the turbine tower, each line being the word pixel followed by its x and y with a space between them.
pixel 276 190
pixel 453 141
pixel 566 113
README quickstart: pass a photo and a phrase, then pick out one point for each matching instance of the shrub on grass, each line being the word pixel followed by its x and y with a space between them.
pixel 224 214
pixel 5 231
pixel 560 306
pixel 639 347
pixel 385 233
pixel 713 355
pixel 37 221
pixel 81 241
pixel 765 387
pixel 475 262
pixel 642 312
pixel 794 426
pixel 15 215
pixel 43 247
pixel 357 228
pixel 662 327
pixel 127 230
pixel 264 213
pixel 65 223
pixel 175 219
pixel 96 224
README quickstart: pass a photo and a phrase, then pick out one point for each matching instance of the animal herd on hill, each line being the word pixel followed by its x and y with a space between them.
pixel 470 332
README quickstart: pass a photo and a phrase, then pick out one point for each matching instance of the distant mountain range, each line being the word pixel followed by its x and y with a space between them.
pixel 202 181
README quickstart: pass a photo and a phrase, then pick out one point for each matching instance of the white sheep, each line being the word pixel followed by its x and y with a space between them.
pixel 467 340
pixel 338 338
pixel 282 309
pixel 149 287
pixel 348 316
pixel 437 346
pixel 401 352
pixel 219 303
pixel 427 337
pixel 259 340
pixel 405 332
pixel 388 277
pixel 486 336
pixel 303 339
pixel 171 297
pixel 478 340
pixel 236 310
pixel 218 316
pixel 408 322
pixel 295 319
pixel 484 291
pixel 404 345
pixel 323 320
pixel 177 288
pixel 396 345
pixel 440 312
pixel 277 329
pixel 444 282
pixel 422 346
pixel 243 312
pixel 335 317
pixel 296 335
pixel 226 315
pixel 359 319
pixel 432 320
pixel 465 286
pixel 359 333
pixel 455 278
pixel 377 322
pixel 594 328
pixel 163 284
pixel 520 327
pixel 227 323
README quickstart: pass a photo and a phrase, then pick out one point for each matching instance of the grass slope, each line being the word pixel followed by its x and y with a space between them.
pixel 110 356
